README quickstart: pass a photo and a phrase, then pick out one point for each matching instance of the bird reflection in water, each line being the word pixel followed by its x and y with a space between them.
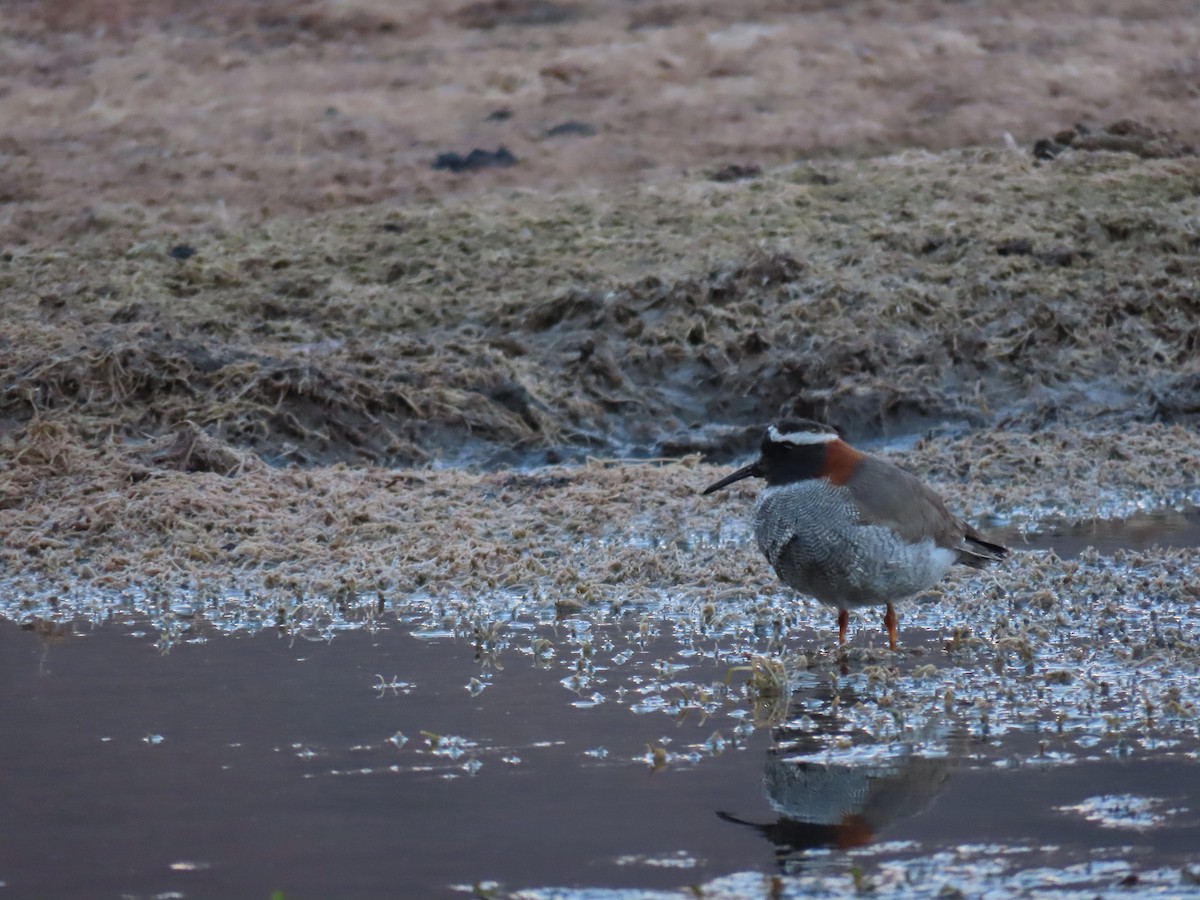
pixel 837 787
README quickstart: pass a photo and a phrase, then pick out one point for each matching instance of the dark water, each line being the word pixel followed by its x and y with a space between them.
pixel 398 762
pixel 242 791
pixel 243 766
pixel 1164 528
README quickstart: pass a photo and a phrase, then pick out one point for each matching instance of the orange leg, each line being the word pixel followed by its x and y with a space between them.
pixel 843 623
pixel 890 620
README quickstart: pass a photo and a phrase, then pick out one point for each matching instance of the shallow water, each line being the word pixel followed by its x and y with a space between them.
pixel 244 765
pixel 1142 531
pixel 433 749
pixel 238 766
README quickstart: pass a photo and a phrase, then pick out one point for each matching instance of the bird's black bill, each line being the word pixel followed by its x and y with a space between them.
pixel 750 471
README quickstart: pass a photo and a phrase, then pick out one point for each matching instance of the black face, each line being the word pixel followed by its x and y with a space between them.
pixel 785 461
pixel 782 460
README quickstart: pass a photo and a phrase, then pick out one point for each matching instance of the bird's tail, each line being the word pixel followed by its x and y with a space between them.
pixel 977 553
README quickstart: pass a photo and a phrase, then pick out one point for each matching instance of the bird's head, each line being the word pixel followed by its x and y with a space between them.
pixel 792 450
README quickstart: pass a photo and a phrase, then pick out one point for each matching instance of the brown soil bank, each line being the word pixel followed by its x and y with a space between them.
pixel 979 287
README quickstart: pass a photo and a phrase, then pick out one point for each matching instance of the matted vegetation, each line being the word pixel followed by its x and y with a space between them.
pixel 975 288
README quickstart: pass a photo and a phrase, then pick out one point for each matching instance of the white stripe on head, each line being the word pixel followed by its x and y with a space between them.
pixel 801 438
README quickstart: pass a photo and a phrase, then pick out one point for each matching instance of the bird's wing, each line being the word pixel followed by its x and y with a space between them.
pixel 887 495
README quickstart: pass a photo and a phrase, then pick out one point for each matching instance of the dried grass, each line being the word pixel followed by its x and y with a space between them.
pixel 189 513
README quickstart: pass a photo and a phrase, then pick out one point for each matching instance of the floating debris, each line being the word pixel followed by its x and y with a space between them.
pixel 1122 811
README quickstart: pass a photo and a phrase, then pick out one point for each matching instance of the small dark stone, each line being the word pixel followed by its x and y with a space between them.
pixel 499 115
pixel 393 227
pixel 736 172
pixel 1015 247
pixel 181 251
pixel 572 128
pixel 1046 149
pixel 501 157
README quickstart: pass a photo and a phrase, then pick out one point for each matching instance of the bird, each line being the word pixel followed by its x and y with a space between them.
pixel 849 529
